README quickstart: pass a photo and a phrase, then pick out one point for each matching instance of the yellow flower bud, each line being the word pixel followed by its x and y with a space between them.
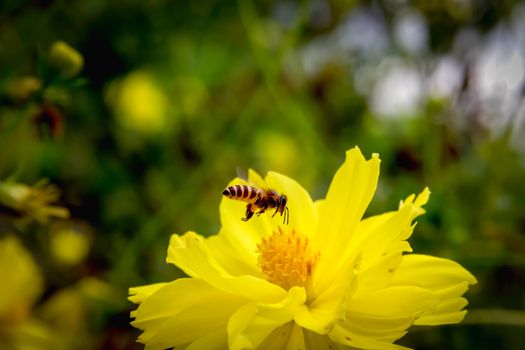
pixel 69 246
pixel 65 59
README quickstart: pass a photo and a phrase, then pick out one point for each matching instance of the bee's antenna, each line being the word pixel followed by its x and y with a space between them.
pixel 286 216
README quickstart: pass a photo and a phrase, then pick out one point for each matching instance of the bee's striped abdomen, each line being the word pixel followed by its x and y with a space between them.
pixel 242 192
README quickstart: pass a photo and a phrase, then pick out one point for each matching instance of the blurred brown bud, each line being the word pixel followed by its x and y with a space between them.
pixel 50 117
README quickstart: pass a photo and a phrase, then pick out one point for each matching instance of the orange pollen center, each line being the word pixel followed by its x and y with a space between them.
pixel 287 258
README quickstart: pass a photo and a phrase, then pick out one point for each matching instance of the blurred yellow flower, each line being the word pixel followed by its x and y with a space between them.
pixel 21 281
pixel 139 103
pixel 32 202
pixel 69 245
pixel 65 59
pixel 67 312
pixel 328 280
pixel 22 285
pixel 22 88
pixel 285 159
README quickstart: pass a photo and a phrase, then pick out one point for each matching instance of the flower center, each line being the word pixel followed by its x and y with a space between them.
pixel 287 258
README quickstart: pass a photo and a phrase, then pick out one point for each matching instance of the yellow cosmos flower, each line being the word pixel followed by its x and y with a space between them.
pixel 139 103
pixel 327 280
pixel 32 202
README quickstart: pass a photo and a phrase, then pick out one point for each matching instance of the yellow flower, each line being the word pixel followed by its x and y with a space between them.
pixel 328 280
pixel 69 244
pixel 139 103
pixel 32 201
pixel 22 282
pixel 22 285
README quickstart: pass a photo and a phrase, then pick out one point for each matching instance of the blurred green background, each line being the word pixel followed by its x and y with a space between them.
pixel 140 112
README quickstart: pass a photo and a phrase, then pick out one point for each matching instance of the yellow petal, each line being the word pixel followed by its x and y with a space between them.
pixel 318 204
pixel 439 319
pixel 315 341
pixel 326 308
pixel 397 301
pixel 170 299
pixel 217 340
pixel 373 254
pixel 303 216
pixel 436 285
pixel 318 320
pixel 179 313
pixel 236 326
pixel 417 202
pixel 446 278
pixel 138 294
pixel 191 255
pixel 379 273
pixel 431 272
pixel 287 337
pixel 381 244
pixel 254 322
pixel 350 338
pixel 349 194
pixel 384 328
pixel 296 339
pixel 449 307
pixel 383 233
pixel 395 228
pixel 254 179
pixel 230 258
pixel 369 227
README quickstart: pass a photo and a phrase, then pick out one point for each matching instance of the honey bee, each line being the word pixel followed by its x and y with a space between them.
pixel 258 199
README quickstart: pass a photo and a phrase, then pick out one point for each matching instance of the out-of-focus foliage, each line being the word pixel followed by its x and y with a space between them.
pixel 140 112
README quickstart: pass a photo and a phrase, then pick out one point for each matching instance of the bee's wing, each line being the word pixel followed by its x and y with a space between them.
pixel 257 180
pixel 252 178
pixel 242 173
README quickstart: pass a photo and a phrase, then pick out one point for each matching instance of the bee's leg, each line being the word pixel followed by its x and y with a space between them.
pixel 276 211
pixel 263 209
pixel 249 212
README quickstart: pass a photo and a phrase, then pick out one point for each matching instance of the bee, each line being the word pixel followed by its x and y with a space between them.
pixel 258 199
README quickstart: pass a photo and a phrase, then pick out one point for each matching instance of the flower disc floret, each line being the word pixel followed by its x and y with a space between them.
pixel 287 258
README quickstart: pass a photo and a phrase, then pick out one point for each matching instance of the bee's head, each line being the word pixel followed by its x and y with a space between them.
pixel 282 202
